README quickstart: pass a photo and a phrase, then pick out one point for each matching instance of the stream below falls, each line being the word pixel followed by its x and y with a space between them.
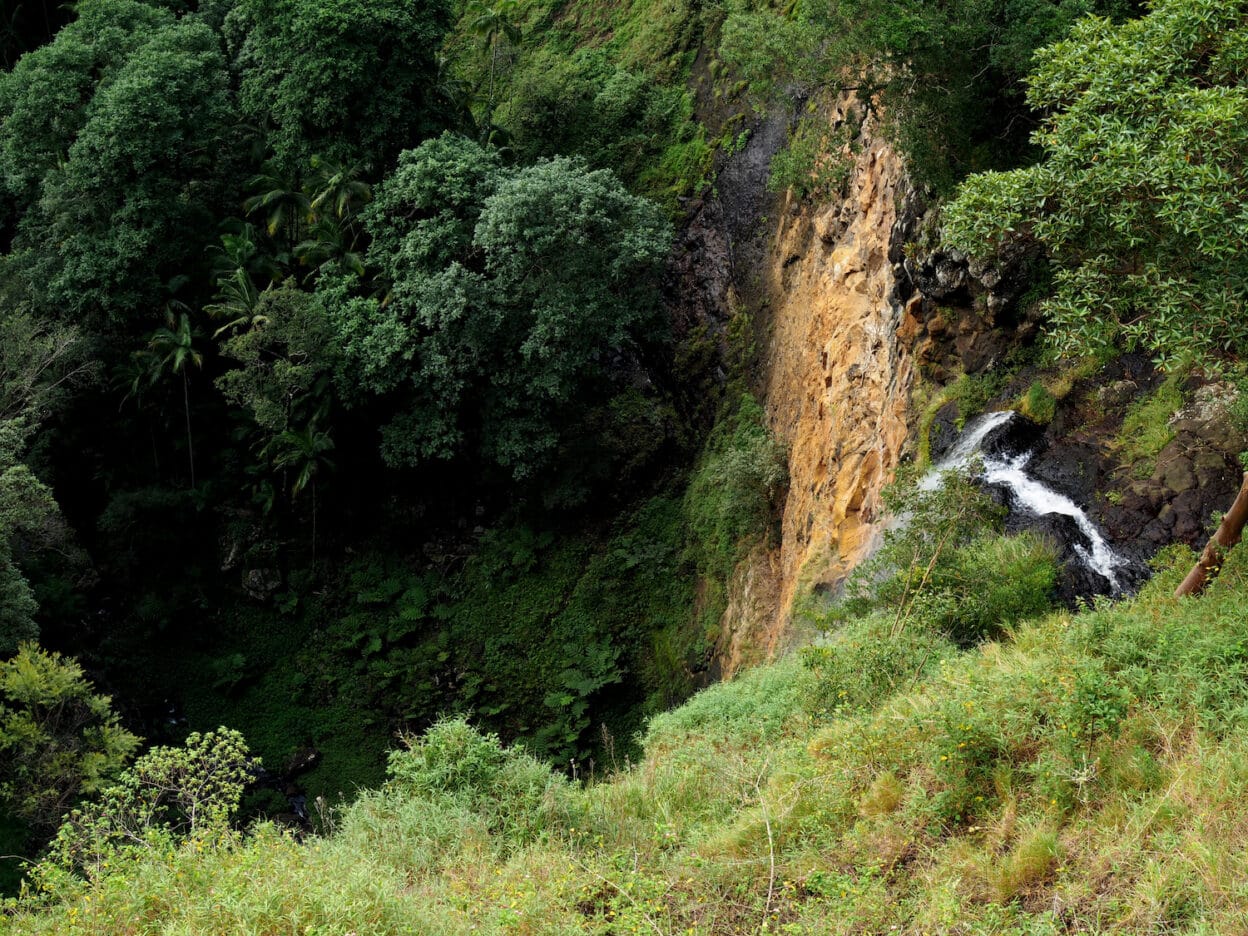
pixel 1002 466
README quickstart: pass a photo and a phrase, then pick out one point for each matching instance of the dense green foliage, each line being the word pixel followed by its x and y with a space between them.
pixel 948 563
pixel 350 80
pixel 1094 763
pixel 103 178
pixel 510 290
pixel 340 400
pixel 735 488
pixel 533 635
pixel 59 740
pixel 613 117
pixel 271 343
pixel 39 364
pixel 28 520
pixel 1138 198
pixel 950 72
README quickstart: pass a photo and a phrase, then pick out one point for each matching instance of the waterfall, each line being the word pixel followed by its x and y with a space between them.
pixel 966 448
pixel 1027 494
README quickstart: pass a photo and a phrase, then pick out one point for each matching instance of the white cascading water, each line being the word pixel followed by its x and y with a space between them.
pixel 1028 494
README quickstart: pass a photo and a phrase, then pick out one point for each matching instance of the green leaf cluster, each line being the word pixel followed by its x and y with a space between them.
pixel 59 740
pixel 350 80
pixel 947 567
pixel 115 182
pixel 1138 200
pixel 454 763
pixel 511 291
pixel 168 795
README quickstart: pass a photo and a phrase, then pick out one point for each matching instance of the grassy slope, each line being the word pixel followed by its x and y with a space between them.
pixel 1087 775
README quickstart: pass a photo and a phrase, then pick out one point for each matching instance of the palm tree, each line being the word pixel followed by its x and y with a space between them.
pixel 303 451
pixel 494 24
pixel 173 350
pixel 338 188
pixel 240 249
pixel 235 262
pixel 236 302
pixel 331 246
pixel 282 202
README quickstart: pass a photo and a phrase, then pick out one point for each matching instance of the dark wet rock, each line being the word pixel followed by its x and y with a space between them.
pixel 1012 438
pixel 1213 466
pixel 261 583
pixel 1062 531
pixel 721 241
pixel 1167 515
pixel 939 275
pixel 943 431
pixel 1175 474
pixel 979 350
pixel 1072 469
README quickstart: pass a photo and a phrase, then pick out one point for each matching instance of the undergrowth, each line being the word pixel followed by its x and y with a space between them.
pixel 1075 772
pixel 1085 773
pixel 1146 428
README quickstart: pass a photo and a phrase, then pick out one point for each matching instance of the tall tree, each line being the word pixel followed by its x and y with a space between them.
pixel 1139 200
pixel 496 24
pixel 172 350
pixel 352 80
pixel 512 292
pixel 126 169
pixel 43 97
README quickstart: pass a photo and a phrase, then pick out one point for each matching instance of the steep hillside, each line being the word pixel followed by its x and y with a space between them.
pixel 483 378
pixel 835 378
pixel 1084 775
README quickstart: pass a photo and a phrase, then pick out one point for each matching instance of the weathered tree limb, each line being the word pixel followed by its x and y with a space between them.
pixel 1228 534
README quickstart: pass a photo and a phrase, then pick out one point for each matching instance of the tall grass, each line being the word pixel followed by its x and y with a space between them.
pixel 1084 773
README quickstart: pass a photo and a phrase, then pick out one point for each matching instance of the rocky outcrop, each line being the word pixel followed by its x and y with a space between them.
pixel 858 299
pixel 836 384
pixel 838 378
pixel 1171 498
pixel 964 315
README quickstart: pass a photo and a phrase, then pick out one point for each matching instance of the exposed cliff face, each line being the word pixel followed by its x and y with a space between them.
pixel 837 379
pixel 836 384
pixel 851 317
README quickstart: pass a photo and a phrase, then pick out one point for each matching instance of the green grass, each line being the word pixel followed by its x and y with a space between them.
pixel 1146 428
pixel 1038 404
pixel 1087 773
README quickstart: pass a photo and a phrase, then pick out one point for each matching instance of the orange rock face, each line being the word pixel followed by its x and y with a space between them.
pixel 837 385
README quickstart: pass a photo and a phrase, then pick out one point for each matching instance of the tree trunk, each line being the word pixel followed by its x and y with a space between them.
pixel 489 104
pixel 1229 531
pixel 186 403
